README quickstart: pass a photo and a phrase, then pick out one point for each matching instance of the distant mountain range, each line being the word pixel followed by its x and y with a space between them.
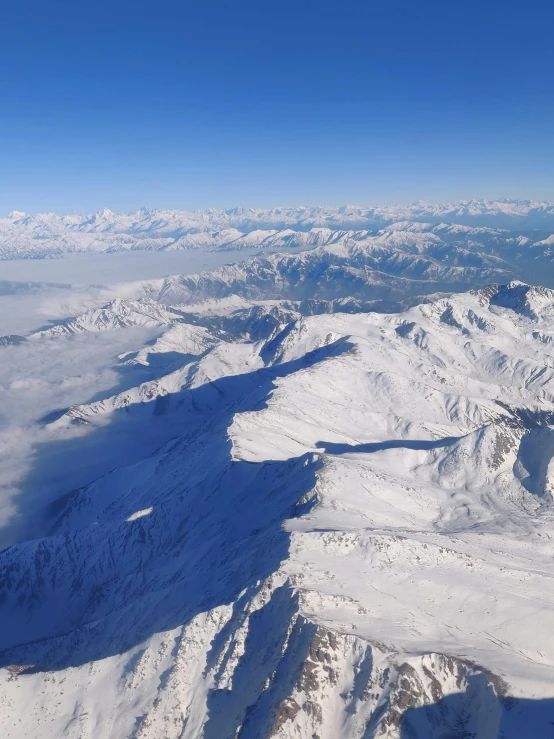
pixel 50 235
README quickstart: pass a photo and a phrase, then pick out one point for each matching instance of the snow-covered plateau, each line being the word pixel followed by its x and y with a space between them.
pixel 295 516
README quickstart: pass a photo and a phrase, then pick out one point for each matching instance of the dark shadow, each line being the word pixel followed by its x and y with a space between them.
pixel 478 713
pixel 269 648
pixel 207 526
pixel 132 375
pixel 536 450
pixel 332 448
pixel 51 323
pixel 52 416
pixel 527 418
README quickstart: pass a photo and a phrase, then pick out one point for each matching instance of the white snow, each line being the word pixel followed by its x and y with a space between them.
pixel 300 525
pixel 49 234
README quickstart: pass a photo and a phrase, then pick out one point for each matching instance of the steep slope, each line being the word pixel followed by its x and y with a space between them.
pixel 336 526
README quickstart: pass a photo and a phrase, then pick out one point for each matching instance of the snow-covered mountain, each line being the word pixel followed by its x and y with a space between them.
pixel 385 272
pixel 334 526
pixel 51 235
pixel 379 268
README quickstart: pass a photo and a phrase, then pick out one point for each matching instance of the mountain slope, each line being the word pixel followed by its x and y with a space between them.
pixel 370 270
pixel 333 525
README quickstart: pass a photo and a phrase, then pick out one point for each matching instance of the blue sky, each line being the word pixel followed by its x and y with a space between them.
pixel 195 104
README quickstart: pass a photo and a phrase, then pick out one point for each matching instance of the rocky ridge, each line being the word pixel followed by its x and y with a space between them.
pixel 333 525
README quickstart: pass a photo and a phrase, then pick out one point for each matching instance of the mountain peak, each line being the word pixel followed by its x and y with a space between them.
pixel 105 213
pixel 527 300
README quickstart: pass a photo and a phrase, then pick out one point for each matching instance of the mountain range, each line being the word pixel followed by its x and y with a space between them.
pixel 294 525
pixel 48 235
pixel 317 501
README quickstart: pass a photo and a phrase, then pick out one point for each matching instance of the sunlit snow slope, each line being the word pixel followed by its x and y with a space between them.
pixel 333 526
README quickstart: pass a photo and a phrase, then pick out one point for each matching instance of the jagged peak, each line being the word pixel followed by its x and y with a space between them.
pixel 527 300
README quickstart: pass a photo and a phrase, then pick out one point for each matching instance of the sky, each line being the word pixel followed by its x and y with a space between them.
pixel 197 104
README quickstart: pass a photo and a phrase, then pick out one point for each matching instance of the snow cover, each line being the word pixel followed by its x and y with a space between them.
pixel 335 525
pixel 51 235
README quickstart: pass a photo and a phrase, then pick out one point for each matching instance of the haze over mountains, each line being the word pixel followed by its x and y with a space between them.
pixel 48 234
pixel 317 500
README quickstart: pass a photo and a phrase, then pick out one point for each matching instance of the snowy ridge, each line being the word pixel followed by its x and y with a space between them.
pixel 116 314
pixel 369 270
pixel 51 235
pixel 336 525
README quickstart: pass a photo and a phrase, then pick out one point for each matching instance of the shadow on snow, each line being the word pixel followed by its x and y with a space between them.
pixel 333 448
pixel 149 546
pixel 478 713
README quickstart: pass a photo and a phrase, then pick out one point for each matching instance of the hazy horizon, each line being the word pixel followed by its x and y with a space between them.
pixel 200 105
pixel 285 206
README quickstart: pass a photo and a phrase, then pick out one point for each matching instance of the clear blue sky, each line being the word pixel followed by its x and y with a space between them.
pixel 213 103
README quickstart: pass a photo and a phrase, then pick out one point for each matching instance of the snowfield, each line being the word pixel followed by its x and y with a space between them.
pixel 297 519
